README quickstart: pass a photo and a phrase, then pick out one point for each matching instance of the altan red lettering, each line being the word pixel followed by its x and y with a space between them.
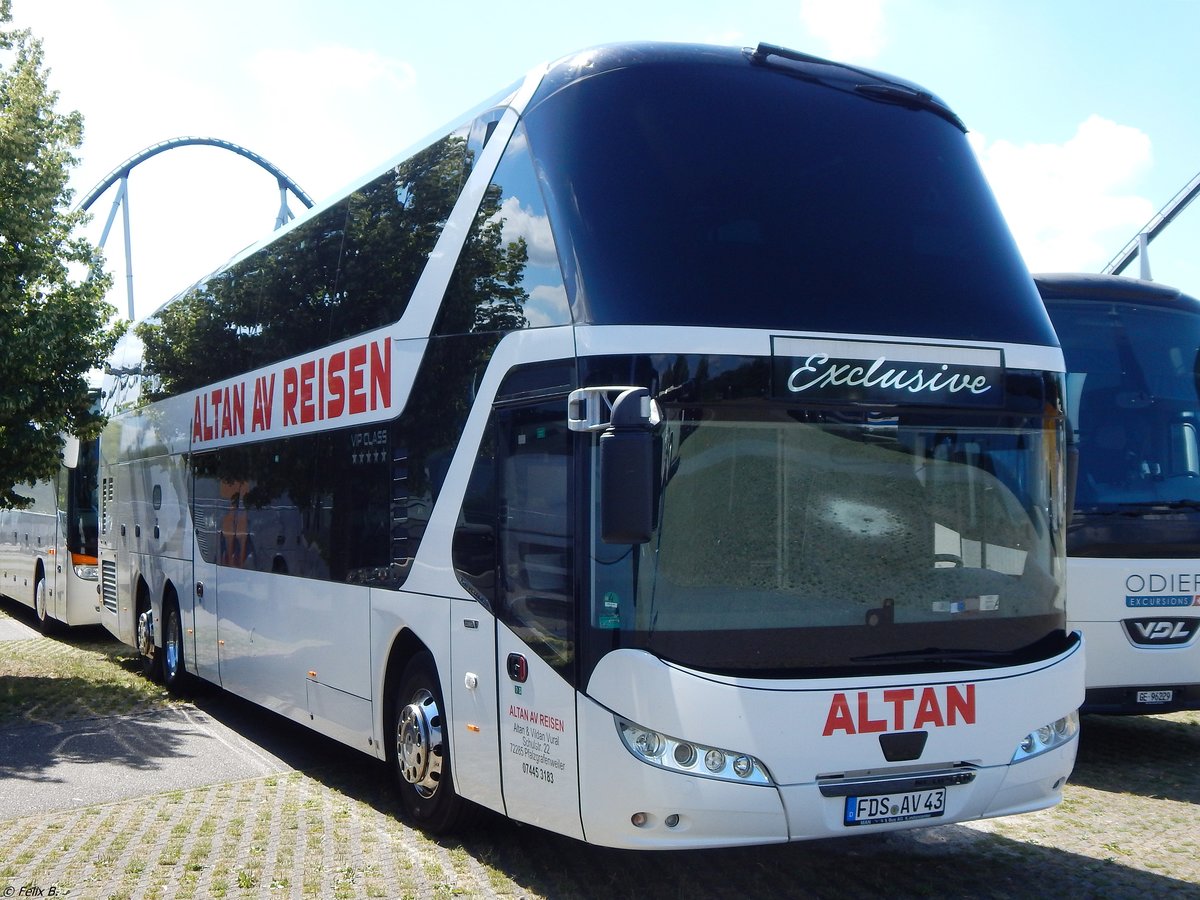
pixel 936 707
pixel 308 402
pixel 898 697
pixel 928 710
pixel 337 384
pixel 381 374
pixel 867 725
pixel 358 385
pixel 840 718
pixel 264 397
pixel 348 382
pixel 197 422
pixel 291 392
pixel 960 705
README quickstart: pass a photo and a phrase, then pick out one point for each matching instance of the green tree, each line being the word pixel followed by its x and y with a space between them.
pixel 54 324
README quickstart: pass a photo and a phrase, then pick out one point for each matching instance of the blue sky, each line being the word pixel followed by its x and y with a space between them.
pixel 1084 113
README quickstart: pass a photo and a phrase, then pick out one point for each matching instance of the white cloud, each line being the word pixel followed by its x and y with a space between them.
pixel 545 306
pixel 520 223
pixel 851 30
pixel 1070 204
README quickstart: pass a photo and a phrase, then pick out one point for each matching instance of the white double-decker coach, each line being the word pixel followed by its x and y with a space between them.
pixel 671 455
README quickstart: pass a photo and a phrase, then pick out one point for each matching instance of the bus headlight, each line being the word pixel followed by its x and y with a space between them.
pixel 1048 737
pixel 88 573
pixel 677 755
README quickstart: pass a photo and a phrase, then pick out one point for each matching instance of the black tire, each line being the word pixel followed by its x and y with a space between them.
pixel 174 672
pixel 47 624
pixel 419 750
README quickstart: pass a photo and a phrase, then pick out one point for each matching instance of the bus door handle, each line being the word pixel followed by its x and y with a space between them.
pixel 200 591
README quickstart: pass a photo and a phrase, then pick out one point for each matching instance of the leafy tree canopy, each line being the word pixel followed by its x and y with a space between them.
pixel 54 324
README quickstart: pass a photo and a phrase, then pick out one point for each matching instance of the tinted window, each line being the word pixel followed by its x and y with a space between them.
pixel 735 195
pixel 316 506
pixel 351 268
pixel 1134 371
pixel 507 276
pixel 536 539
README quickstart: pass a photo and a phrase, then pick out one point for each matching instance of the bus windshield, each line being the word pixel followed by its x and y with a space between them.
pixel 82 534
pixel 726 195
pixel 1133 374
pixel 806 544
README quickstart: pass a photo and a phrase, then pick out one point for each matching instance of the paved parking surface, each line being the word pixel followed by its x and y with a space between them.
pixel 46 768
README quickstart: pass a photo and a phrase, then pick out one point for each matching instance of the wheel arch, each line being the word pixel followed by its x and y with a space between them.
pixel 405 646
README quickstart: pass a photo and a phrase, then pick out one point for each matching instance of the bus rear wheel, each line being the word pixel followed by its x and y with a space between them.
pixel 174 674
pixel 151 657
pixel 420 751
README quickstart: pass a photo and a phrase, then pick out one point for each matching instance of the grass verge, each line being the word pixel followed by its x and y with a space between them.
pixel 80 674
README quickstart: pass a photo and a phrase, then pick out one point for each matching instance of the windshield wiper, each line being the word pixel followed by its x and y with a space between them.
pixel 1140 507
pixel 957 655
pixel 878 88
pixel 906 96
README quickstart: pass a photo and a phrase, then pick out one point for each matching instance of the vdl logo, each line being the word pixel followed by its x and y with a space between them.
pixel 1161 632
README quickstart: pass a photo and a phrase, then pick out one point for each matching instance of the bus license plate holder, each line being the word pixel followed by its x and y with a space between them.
pixel 1155 696
pixel 900 807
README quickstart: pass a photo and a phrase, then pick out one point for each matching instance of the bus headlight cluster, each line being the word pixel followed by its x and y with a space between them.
pixel 89 572
pixel 690 758
pixel 1048 737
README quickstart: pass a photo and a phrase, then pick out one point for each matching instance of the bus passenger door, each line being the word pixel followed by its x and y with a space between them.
pixel 535 606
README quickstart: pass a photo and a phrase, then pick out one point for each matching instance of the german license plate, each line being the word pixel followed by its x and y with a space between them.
pixel 895 807
pixel 1155 696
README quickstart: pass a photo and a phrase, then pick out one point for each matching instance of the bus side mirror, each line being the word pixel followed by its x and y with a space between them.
pixel 70 452
pixel 627 471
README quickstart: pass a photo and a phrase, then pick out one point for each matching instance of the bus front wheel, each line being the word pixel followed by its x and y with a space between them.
pixel 44 619
pixel 420 750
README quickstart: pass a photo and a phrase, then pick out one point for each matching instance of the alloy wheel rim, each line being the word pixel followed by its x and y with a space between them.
pixel 419 743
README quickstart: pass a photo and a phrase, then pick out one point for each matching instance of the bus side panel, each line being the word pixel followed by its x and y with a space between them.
pixel 145 529
pixel 152 530
pixel 472 697
pixel 8 549
pixel 29 537
pixel 281 638
pixel 395 616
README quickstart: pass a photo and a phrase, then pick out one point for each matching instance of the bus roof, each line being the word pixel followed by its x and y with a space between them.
pixel 1088 286
pixel 867 82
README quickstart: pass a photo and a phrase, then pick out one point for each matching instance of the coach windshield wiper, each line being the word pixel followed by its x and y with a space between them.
pixel 956 655
pixel 912 98
pixel 877 88
pixel 1141 507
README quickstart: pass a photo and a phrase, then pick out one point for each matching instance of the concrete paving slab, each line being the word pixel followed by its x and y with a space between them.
pixel 58 766
pixel 15 630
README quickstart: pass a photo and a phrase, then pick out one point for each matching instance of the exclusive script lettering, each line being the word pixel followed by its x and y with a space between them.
pixel 818 372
